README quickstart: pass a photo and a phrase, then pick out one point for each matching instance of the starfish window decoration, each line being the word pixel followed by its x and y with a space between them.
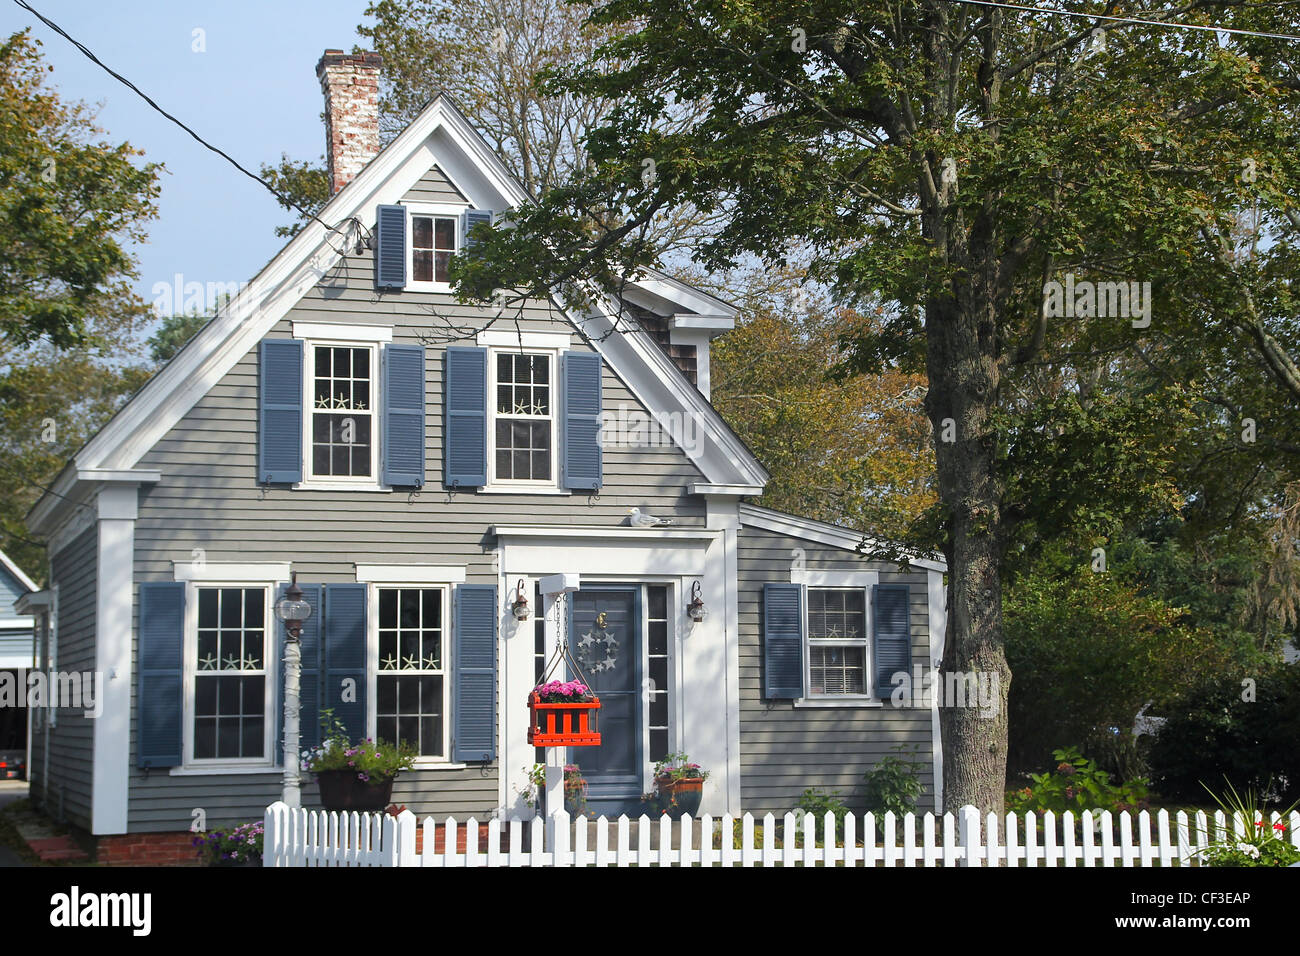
pixel 231 663
pixel 431 663
pixel 521 408
pixel 208 663
pixel 833 631
pixel 539 409
pixel 251 664
pixel 389 663
pixel 411 663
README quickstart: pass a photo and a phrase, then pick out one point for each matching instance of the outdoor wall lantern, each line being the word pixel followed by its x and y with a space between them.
pixel 519 608
pixel 696 609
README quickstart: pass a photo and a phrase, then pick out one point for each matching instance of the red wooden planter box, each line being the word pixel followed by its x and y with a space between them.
pixel 563 725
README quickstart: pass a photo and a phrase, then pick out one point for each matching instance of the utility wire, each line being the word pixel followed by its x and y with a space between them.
pixel 1122 19
pixel 283 199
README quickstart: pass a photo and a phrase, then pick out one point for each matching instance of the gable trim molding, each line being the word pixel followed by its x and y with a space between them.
pixel 821 532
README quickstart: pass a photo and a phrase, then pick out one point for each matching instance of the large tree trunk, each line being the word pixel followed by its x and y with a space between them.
pixel 963 384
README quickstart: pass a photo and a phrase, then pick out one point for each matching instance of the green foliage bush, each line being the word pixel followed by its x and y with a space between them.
pixel 1214 734
pixel 1077 784
pixel 818 802
pixel 894 783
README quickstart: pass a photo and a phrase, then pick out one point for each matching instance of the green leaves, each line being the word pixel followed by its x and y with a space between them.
pixel 69 205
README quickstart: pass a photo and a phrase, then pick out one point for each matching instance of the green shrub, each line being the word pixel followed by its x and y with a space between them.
pixel 1215 734
pixel 1265 843
pixel 1077 784
pixel 894 783
pixel 818 802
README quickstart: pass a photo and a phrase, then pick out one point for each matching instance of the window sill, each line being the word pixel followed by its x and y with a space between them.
pixel 869 703
pixel 332 486
pixel 437 765
pixel 523 490
pixel 221 771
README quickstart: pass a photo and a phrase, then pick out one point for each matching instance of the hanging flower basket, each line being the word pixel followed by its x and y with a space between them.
pixel 563 715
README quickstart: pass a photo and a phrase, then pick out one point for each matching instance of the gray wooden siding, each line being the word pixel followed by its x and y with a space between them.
pixel 434 186
pixel 208 498
pixel 784 749
pixel 72 743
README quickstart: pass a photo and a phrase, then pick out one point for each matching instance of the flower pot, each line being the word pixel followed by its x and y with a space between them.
pixel 563 725
pixel 680 796
pixel 342 790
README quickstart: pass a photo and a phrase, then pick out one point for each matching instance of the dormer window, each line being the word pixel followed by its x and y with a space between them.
pixel 433 243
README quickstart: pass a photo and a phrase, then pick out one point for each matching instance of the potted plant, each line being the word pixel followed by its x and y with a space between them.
pixel 679 785
pixel 241 846
pixel 354 776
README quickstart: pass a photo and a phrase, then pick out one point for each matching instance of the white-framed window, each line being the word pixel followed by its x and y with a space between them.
pixel 523 392
pixel 411 672
pixel 837 645
pixel 434 236
pixel 341 433
pixel 228 670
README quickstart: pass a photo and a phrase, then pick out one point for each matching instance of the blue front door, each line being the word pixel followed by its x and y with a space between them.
pixel 604 637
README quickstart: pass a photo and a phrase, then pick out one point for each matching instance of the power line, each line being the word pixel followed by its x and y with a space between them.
pixel 1123 20
pixel 283 199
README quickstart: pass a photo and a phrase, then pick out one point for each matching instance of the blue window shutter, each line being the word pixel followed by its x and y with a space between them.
pixel 782 641
pixel 581 454
pixel 404 415
pixel 475 659
pixel 468 220
pixel 390 247
pixel 344 656
pixel 891 633
pixel 464 423
pixel 308 675
pixel 279 433
pixel 161 689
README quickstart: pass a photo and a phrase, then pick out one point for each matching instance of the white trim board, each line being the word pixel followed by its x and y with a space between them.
pixel 501 338
pixel 410 573
pixel 342 332
pixel 217 571
pixel 821 532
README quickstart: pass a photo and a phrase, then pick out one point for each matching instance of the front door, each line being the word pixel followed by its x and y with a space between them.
pixel 605 641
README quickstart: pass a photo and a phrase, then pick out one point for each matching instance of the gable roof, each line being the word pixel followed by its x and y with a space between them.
pixel 442 136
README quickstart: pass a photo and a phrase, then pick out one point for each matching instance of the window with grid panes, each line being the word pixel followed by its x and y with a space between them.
pixel 342 418
pixel 837 641
pixel 525 422
pixel 657 660
pixel 433 243
pixel 410 687
pixel 230 687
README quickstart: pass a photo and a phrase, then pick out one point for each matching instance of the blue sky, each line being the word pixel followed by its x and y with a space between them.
pixel 253 92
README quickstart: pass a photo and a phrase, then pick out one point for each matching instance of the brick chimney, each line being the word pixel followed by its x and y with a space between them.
pixel 350 82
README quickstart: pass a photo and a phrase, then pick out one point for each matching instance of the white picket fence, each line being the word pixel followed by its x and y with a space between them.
pixel 321 838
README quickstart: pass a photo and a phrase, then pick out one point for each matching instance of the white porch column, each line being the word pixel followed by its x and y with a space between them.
pixel 114 600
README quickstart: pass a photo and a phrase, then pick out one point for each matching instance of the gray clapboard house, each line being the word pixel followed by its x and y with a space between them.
pixel 421 467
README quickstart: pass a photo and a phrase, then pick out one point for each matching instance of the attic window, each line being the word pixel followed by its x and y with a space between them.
pixel 433 243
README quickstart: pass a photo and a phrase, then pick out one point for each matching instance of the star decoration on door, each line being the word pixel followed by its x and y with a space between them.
pixel 596 650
